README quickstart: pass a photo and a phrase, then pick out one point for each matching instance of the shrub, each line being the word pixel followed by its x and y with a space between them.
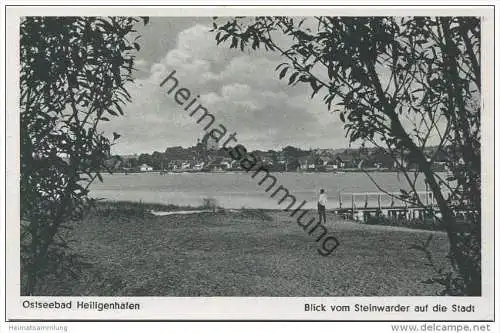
pixel 74 73
pixel 210 204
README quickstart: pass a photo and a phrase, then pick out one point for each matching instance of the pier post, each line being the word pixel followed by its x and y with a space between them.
pixel 378 199
pixel 406 210
pixel 340 200
pixel 352 199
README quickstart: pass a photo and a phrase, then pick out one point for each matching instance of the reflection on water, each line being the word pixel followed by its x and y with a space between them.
pixel 236 190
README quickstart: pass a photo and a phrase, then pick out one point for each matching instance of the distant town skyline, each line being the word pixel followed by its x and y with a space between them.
pixel 277 149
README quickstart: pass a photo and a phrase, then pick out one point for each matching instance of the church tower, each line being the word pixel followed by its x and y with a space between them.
pixel 207 144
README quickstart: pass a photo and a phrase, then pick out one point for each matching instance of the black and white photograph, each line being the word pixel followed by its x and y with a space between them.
pixel 252 156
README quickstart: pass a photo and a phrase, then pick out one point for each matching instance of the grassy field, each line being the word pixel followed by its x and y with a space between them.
pixel 240 253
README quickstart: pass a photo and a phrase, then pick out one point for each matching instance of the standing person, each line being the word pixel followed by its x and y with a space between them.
pixel 322 205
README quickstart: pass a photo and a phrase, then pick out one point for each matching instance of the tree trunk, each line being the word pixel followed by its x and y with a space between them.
pixel 460 257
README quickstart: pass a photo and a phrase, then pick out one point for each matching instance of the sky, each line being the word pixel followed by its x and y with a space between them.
pixel 241 89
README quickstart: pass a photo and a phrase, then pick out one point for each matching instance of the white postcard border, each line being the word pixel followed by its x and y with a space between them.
pixel 243 308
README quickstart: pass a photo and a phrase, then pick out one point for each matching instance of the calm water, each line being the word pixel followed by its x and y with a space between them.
pixel 236 190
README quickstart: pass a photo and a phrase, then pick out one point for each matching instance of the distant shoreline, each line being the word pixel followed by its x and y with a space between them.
pixel 170 172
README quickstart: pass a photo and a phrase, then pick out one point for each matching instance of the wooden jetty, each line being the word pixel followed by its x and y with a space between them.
pixel 360 206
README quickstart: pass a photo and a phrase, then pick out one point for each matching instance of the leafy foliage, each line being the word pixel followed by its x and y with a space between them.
pixel 74 72
pixel 401 84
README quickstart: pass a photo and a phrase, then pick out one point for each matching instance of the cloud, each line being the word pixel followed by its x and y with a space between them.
pixel 141 63
pixel 241 90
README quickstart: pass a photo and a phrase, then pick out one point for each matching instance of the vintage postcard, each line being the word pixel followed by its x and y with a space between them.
pixel 250 163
